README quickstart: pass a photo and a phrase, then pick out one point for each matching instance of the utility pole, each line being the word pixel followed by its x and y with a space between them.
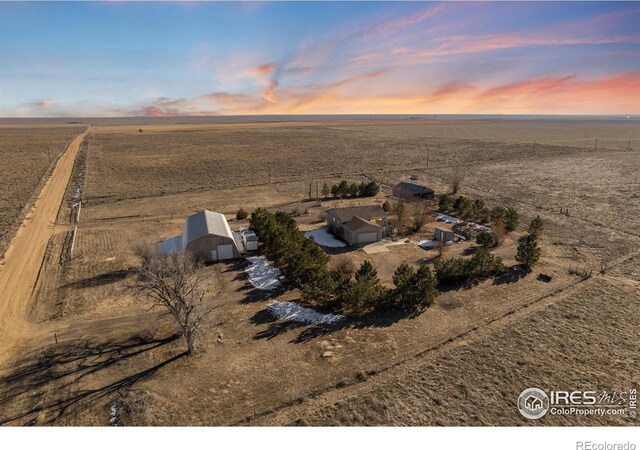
pixel 427 157
pixel 49 155
pixel 317 191
pixel 629 145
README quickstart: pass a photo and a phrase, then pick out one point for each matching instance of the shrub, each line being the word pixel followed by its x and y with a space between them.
pixel 451 270
pixel 241 214
pixel 485 239
pixel 484 265
pixel 446 203
pixel 386 206
pixel 498 230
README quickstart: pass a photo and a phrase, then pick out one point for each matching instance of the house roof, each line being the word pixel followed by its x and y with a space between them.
pixel 205 223
pixel 415 189
pixel 365 212
pixel 359 224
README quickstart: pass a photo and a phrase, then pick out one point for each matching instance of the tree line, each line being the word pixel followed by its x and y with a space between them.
pixel 344 189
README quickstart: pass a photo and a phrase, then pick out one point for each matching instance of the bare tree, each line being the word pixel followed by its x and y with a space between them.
pixel 344 264
pixel 457 177
pixel 420 215
pixel 400 208
pixel 175 283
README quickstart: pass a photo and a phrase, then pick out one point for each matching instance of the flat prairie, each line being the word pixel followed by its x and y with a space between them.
pixel 461 362
pixel 27 154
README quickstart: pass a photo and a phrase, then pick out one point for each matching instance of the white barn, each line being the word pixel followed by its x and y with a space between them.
pixel 205 234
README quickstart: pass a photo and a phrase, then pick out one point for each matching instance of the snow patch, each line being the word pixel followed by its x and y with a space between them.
pixel 448 219
pixel 113 416
pixel 261 274
pixel 429 243
pixel 294 312
pixel 321 236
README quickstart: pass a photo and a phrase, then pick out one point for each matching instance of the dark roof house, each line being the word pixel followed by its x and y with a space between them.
pixel 357 225
pixel 412 191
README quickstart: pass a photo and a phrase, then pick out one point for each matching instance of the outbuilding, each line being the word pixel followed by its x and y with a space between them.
pixel 205 234
pixel 444 235
pixel 412 191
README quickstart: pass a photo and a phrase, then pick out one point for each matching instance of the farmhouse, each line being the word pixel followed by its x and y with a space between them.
pixel 207 235
pixel 357 225
pixel 411 191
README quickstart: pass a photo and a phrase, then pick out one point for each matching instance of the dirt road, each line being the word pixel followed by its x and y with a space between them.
pixel 20 267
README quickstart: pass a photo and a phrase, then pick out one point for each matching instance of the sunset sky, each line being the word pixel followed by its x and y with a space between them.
pixel 180 58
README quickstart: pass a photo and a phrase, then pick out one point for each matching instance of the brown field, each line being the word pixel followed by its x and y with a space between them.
pixel 27 154
pixel 436 368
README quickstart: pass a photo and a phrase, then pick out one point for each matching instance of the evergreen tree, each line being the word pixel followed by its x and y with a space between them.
pixel 483 265
pixel 403 278
pixel 241 214
pixel 528 252
pixel 366 272
pixel 511 219
pixel 536 225
pixel 424 290
pixel 484 239
pixel 326 190
pixel 446 203
pixel 498 213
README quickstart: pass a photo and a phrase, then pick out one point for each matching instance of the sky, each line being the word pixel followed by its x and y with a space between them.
pixel 228 58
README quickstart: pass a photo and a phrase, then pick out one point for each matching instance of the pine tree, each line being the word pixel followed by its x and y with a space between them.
pixel 325 190
pixel 403 278
pixel 424 289
pixel 528 252
pixel 366 272
pixel 536 225
pixel 511 219
pixel 484 239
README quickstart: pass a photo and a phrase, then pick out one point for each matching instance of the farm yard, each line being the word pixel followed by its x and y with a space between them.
pixel 253 365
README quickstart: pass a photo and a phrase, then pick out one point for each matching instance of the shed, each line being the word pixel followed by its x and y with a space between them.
pixel 444 235
pixel 412 191
pixel 205 234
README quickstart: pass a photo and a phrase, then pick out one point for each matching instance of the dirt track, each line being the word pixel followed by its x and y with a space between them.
pixel 20 267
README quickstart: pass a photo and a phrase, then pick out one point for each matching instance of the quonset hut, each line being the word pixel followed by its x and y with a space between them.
pixel 205 234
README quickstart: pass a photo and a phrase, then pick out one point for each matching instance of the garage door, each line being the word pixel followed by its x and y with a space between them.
pixel 370 236
pixel 225 251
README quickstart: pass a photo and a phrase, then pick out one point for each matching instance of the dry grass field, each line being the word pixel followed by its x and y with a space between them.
pixel 27 154
pixel 436 368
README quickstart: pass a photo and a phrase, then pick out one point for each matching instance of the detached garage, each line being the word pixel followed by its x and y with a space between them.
pixel 206 234
pixel 358 231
